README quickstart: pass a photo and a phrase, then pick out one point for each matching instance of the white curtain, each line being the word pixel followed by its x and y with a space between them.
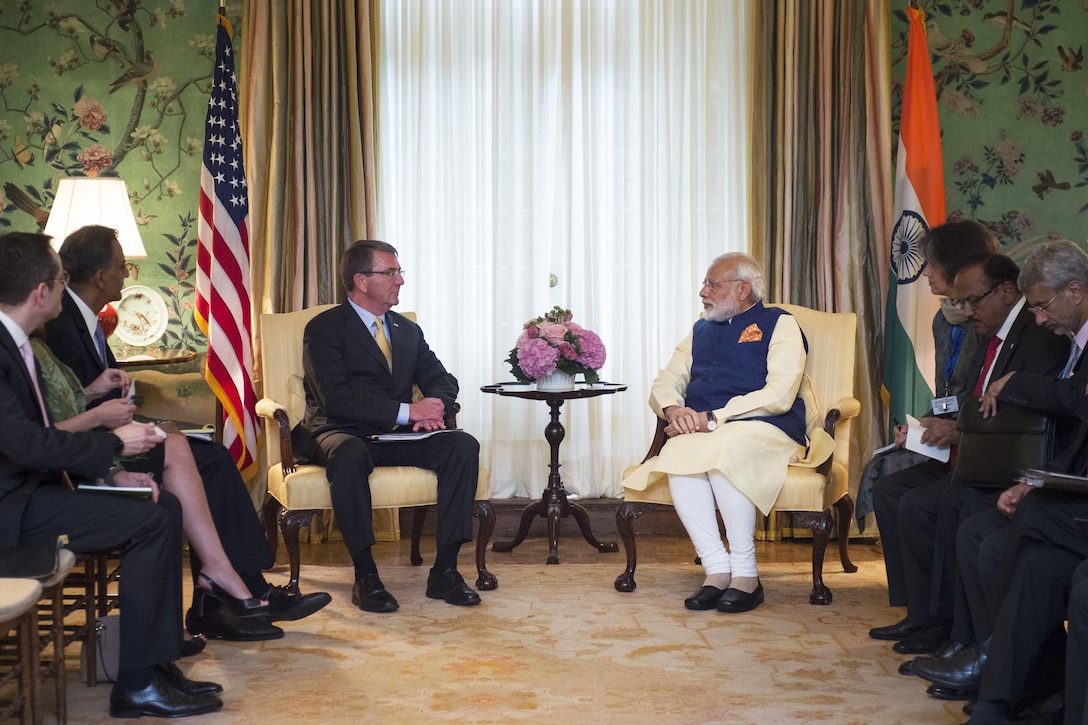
pixel 597 142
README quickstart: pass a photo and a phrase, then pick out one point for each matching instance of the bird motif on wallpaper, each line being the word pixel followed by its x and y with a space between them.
pixel 22 155
pixel 1047 184
pixel 1072 60
pixel 952 50
pixel 23 202
pixel 104 49
pixel 1001 19
pixel 140 71
pixel 127 13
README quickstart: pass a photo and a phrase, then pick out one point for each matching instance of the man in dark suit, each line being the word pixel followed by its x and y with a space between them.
pixel 36 506
pixel 361 361
pixel 1055 283
pixel 93 258
pixel 989 296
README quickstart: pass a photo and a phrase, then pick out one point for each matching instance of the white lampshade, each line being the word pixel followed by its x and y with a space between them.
pixel 79 202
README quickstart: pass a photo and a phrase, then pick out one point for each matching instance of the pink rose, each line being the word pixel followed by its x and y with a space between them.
pixel 95 158
pixel 90 112
pixel 553 332
pixel 567 351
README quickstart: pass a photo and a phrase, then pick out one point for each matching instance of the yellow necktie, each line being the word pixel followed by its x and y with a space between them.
pixel 383 342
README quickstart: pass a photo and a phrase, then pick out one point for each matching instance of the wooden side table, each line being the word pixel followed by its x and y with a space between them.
pixel 553 504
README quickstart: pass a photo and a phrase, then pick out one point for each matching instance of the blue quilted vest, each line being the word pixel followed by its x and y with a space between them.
pixel 723 367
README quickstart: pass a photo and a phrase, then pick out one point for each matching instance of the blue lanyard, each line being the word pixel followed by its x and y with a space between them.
pixel 955 343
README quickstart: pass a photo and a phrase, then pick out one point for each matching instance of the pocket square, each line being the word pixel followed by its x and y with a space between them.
pixel 752 333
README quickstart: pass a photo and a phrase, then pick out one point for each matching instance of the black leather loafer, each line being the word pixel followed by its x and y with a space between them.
pixel 178 681
pixel 951 693
pixel 961 671
pixel 735 601
pixel 706 598
pixel 923 641
pixel 450 586
pixel 369 595
pixel 894 632
pixel 285 605
pixel 160 699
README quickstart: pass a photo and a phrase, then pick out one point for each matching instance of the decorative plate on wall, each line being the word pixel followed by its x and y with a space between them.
pixel 141 316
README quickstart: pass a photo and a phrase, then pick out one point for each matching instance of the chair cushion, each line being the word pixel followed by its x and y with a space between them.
pixel 390 486
pixel 17 596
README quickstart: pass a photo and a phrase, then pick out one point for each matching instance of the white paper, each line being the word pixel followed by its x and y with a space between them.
pixel 408 436
pixel 884 449
pixel 914 442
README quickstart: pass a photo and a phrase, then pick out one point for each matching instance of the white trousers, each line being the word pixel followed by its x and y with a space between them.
pixel 694 498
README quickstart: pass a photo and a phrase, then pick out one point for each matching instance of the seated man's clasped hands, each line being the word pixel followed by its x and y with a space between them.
pixel 731 387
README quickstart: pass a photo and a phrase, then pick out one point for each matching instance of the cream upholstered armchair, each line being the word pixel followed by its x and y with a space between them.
pixel 813 486
pixel 296 492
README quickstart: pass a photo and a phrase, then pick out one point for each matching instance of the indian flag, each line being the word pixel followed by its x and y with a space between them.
pixel 919 204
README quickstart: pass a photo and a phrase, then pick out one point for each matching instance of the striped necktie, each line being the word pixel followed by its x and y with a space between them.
pixel 1074 355
pixel 991 353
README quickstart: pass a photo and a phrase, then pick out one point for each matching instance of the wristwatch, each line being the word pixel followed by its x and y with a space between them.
pixel 711 421
pixel 118 444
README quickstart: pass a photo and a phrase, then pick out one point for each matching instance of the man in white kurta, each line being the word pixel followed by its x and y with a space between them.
pixel 730 398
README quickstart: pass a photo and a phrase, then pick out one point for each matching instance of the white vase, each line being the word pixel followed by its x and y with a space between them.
pixel 557 382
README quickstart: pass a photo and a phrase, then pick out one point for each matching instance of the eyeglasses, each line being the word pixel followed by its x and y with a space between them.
pixel 63 279
pixel 972 301
pixel 1041 309
pixel 716 283
pixel 390 273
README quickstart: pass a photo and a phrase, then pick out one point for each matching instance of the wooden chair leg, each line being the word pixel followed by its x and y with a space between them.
pixel 30 661
pixel 844 510
pixel 90 612
pixel 271 514
pixel 485 512
pixel 625 524
pixel 56 667
pixel 821 523
pixel 419 515
pixel 290 523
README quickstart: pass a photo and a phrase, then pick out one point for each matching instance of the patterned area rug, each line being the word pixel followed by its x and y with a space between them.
pixel 559 644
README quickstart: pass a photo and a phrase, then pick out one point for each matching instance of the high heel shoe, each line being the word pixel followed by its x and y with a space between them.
pixel 251 607
pixel 214 619
pixel 194 646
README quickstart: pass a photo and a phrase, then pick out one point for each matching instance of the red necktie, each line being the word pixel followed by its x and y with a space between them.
pixel 991 353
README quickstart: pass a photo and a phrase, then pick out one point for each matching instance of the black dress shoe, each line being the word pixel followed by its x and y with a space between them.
pixel 369 595
pixel 735 601
pixel 952 693
pixel 968 707
pixel 923 641
pixel 286 605
pixel 907 668
pixel 705 598
pixel 449 585
pixel 160 699
pixel 178 681
pixel 894 632
pixel 211 618
pixel 948 648
pixel 961 671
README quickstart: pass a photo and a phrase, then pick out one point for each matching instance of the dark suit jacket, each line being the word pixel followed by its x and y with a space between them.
pixel 1037 355
pixel 69 339
pixel 30 453
pixel 349 387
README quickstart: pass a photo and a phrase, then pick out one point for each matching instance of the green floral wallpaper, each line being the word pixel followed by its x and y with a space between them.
pixel 1013 93
pixel 112 88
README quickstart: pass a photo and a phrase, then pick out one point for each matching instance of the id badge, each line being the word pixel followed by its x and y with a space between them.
pixel 947 404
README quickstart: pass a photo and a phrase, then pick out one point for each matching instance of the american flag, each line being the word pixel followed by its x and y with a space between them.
pixel 222 281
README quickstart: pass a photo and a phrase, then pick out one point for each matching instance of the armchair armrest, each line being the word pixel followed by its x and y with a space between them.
pixel 658 441
pixel 276 414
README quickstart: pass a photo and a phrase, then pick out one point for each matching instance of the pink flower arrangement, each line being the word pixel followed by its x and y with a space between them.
pixel 553 342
